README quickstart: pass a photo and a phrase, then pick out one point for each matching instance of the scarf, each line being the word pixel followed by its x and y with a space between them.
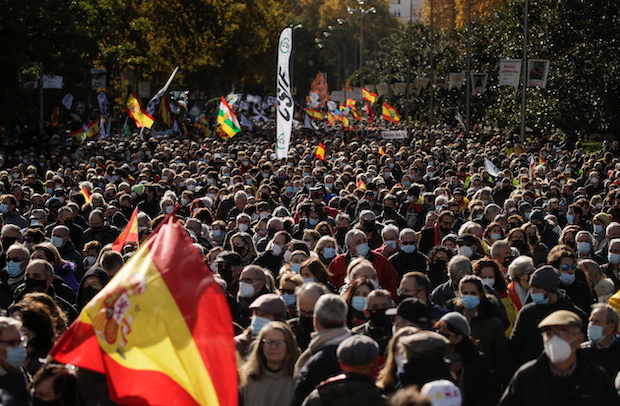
pixel 319 340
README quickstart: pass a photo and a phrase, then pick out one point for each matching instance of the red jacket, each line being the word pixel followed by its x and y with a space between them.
pixel 386 274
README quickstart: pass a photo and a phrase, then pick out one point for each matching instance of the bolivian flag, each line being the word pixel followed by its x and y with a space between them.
pixel 227 119
pixel 160 330
pixel 390 114
pixel 368 95
pixel 135 111
pixel 129 235
pixel 320 151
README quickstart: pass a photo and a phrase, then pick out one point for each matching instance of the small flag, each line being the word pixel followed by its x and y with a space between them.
pixel 361 184
pixel 129 235
pixel 86 195
pixel 160 334
pixel 370 113
pixel 135 111
pixel 90 130
pixel 490 167
pixel 369 96
pixel 320 151
pixel 55 117
pixel 390 114
pixel 245 122
pixel 350 103
pixel 227 120
pixel 459 118
pixel 314 113
pixel 355 114
pixel 331 120
pixel 381 151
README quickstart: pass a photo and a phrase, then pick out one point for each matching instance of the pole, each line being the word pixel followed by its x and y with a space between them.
pixel 41 115
pixel 432 80
pixel 361 44
pixel 407 89
pixel 524 90
pixel 467 79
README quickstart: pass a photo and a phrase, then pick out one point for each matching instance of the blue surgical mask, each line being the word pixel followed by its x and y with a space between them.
pixel 308 280
pixel 257 324
pixel 470 301
pixel 57 242
pixel 362 250
pixel 295 267
pixel 595 333
pixel 216 233
pixel 570 218
pixel 598 229
pixel 408 249
pixel 289 299
pixel 583 247
pixel 313 222
pixel 539 298
pixel 613 258
pixel 4 208
pixel 566 278
pixel 358 303
pixel 13 268
pixel 15 356
pixel 329 253
pixel 496 237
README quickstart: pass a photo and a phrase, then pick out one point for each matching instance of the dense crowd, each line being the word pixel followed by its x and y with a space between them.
pixel 441 269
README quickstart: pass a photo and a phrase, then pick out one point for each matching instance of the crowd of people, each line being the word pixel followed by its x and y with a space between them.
pixel 392 272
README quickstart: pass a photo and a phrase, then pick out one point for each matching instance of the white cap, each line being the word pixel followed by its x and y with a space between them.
pixel 442 392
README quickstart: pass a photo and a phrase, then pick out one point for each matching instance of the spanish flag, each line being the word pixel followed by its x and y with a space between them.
pixel 129 235
pixel 86 195
pixel 370 113
pixel 331 120
pixel 314 113
pixel 350 103
pixel 135 111
pixel 368 95
pixel 55 117
pixel 390 114
pixel 90 130
pixel 227 119
pixel 320 151
pixel 162 335
pixel 164 111
pixel 361 184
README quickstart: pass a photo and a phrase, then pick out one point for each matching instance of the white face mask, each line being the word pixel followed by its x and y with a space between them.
pixel 557 349
pixel 287 256
pixel 243 227
pixel 466 251
pixel 276 249
pixel 246 290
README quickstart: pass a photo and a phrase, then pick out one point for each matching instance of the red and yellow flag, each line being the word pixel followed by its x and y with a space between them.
pixel 320 151
pixel 389 113
pixel 164 111
pixel 129 235
pixel 55 117
pixel 355 113
pixel 160 334
pixel 331 120
pixel 350 103
pixel 361 184
pixel 370 112
pixel 135 111
pixel 368 95
pixel 90 130
pixel 86 195
pixel 314 113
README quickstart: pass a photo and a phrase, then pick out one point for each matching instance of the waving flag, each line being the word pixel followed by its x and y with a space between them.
pixel 370 113
pixel 55 117
pixel 390 114
pixel 227 120
pixel 86 195
pixel 314 113
pixel 361 185
pixel 152 105
pixel 90 130
pixel 320 151
pixel 162 335
pixel 129 235
pixel 369 96
pixel 135 111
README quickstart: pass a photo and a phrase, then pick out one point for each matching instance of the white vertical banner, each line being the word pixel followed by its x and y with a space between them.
pixel 509 72
pixel 537 71
pixel 284 121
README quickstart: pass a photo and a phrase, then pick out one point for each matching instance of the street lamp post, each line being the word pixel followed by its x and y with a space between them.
pixel 362 12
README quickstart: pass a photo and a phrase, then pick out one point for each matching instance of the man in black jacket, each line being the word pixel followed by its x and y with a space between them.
pixel 562 374
pixel 603 346
pixel 408 257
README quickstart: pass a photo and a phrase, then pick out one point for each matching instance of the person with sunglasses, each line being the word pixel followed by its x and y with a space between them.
pixel 572 280
pixel 408 257
pixel 13 377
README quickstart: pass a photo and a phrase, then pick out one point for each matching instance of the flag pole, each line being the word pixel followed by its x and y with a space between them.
pixel 524 90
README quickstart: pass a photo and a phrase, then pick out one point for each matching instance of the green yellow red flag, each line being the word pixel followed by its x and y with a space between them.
pixel 160 330
pixel 227 119
pixel 135 111
pixel 389 113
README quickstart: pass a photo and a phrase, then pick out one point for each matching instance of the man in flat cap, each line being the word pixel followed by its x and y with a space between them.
pixel 420 359
pixel 355 386
pixel 562 374
pixel 525 341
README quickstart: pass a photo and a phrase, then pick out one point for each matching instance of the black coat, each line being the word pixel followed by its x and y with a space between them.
pixel 420 371
pixel 608 358
pixel 479 384
pixel 322 365
pixel 403 263
pixel 533 384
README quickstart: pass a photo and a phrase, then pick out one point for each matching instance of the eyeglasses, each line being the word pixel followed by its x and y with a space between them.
pixel 566 267
pixel 273 343
pixel 407 242
pixel 408 292
pixel 287 291
pixel 14 259
pixel 251 281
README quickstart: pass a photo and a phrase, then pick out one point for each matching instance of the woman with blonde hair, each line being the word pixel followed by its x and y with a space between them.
pixel 266 378
pixel 386 381
pixel 601 287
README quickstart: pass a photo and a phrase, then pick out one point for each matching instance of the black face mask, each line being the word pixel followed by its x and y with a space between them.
pixel 445 230
pixel 368 226
pixel 378 318
pixel 88 292
pixel 35 285
pixel 239 250
pixel 533 239
pixel 520 245
pixel 265 196
pixel 388 210
pixel 342 230
pixel 96 229
pixel 305 323
pixel 225 273
pixel 438 266
pixel 271 232
pixel 400 298
pixel 7 242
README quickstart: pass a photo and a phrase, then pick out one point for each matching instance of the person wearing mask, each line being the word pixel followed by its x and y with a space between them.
pixel 545 229
pixel 313 270
pixel 355 294
pixel 357 246
pixel 408 257
pixel 13 378
pixel 357 356
pixel 66 218
pixel 289 283
pixel 14 274
pixel 93 281
pixel 371 228
pixel 272 257
pixel 418 286
pixel 612 269
pixel 266 377
pixel 252 284
pixel 603 345
pixel 302 325
pixel 61 239
pixel 584 241
pixel 9 212
pixel 390 212
pixel 470 246
pixel 242 244
pixel 470 366
pixel 420 358
pixel 379 326
pixel 389 236
pixel 319 361
pixel 519 287
pixel 611 231
pixel 274 226
pixel 562 374
pixel 525 343
pixel 266 308
pixel 432 236
pixel 242 222
pixel 437 265
pixel 100 229
pixel 343 225
pixel 326 249
pixel 572 280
